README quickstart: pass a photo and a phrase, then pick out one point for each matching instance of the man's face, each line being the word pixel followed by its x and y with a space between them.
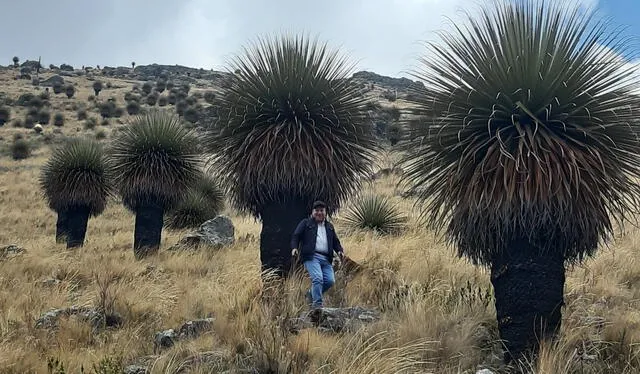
pixel 319 214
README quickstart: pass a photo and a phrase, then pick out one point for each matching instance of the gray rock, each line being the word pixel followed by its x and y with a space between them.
pixel 135 369
pixel 188 330
pixel 52 80
pixel 50 282
pixel 96 318
pixel 335 320
pixel 484 371
pixel 217 232
pixel 11 250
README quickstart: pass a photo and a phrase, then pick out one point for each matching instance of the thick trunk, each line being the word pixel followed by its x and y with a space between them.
pixel 529 287
pixel 76 223
pixel 279 220
pixel 61 227
pixel 148 230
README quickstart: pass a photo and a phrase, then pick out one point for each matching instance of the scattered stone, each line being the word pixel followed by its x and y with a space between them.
pixel 96 318
pixel 135 369
pixel 217 232
pixel 188 330
pixel 11 250
pixel 335 320
pixel 484 371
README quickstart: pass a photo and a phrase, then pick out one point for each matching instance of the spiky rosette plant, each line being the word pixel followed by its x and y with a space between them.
pixel 203 201
pixel 292 130
pixel 76 181
pixel 156 160
pixel 375 212
pixel 528 151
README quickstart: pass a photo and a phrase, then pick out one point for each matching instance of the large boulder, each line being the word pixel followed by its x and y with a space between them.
pixel 335 320
pixel 55 79
pixel 216 232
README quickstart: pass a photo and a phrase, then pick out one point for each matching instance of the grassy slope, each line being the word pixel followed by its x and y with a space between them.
pixel 432 326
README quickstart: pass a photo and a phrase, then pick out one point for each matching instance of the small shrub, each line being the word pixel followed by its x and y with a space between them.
pixel 45 95
pixel 33 112
pixel 25 99
pixel 90 123
pixel 107 109
pixel 109 85
pixel 91 98
pixel 210 97
pixel 192 100
pixel 20 149
pixel 82 115
pixel 390 95
pixel 17 123
pixel 58 119
pixel 5 115
pixel 133 108
pixel 394 113
pixel 169 85
pixel 131 96
pixel 105 122
pixel 37 102
pixel 203 201
pixel 97 87
pixel 16 61
pixel 192 114
pixel 29 121
pixel 394 133
pixel 44 117
pixel 35 82
pixel 181 107
pixel 101 134
pixel 147 88
pixel 118 112
pixel 375 212
pixel 185 88
pixel 70 91
pixel 161 85
pixel 57 88
pixel 172 98
pixel 152 99
pixel 162 101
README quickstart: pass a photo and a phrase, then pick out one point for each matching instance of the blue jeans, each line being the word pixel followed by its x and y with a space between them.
pixel 322 278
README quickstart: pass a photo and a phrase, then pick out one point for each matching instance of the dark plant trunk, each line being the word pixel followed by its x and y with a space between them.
pixel 148 230
pixel 76 226
pixel 529 288
pixel 279 220
pixel 61 227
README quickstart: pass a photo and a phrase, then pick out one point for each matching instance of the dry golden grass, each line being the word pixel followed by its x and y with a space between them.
pixel 436 317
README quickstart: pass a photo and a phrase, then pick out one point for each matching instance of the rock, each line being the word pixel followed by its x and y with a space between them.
pixel 50 282
pixel 188 330
pixel 87 314
pixel 216 232
pixel 335 320
pixel 135 369
pixel 37 128
pixel 11 250
pixel 66 67
pixel 484 371
pixel 56 79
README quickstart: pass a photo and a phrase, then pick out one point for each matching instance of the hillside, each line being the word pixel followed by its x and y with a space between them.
pixel 424 310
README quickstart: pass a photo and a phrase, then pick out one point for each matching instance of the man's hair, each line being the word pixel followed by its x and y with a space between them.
pixel 319 204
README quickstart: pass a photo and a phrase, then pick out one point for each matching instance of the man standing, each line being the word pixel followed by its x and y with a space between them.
pixel 317 240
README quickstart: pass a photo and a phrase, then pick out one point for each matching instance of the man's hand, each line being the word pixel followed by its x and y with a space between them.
pixel 294 252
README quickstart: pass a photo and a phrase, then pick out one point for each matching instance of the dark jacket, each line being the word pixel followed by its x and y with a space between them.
pixel 304 239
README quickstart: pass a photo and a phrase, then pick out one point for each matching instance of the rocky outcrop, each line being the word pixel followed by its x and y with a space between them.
pixel 55 79
pixel 188 330
pixel 335 320
pixel 400 84
pixel 92 315
pixel 216 233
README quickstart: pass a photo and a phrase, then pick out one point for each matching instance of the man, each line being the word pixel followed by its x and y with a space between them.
pixel 317 240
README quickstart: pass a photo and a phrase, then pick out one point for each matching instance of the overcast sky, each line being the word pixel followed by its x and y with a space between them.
pixel 382 35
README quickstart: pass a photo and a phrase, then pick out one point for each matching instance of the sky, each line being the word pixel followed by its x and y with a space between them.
pixel 383 36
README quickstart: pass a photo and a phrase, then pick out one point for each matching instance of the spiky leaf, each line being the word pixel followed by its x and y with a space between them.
pixel 156 160
pixel 375 212
pixel 292 126
pixel 203 201
pixel 77 175
pixel 529 130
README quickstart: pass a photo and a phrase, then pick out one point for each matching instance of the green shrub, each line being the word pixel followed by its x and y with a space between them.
pixel 133 108
pixel 33 112
pixel 147 88
pixel 82 115
pixel 394 133
pixel 45 95
pixel 107 109
pixel 118 112
pixel 375 212
pixel 101 134
pixel 105 122
pixel 192 114
pixel 162 101
pixel 44 117
pixel 16 61
pixel 172 98
pixel 210 97
pixel 17 123
pixel 151 99
pixel 20 149
pixel 91 98
pixel 97 87
pixel 203 201
pixel 30 121
pixel 90 123
pixel 161 85
pixel 35 81
pixel 131 96
pixel 181 107
pixel 5 115
pixel 169 85
pixel 185 88
pixel 192 100
pixel 70 90
pixel 58 119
